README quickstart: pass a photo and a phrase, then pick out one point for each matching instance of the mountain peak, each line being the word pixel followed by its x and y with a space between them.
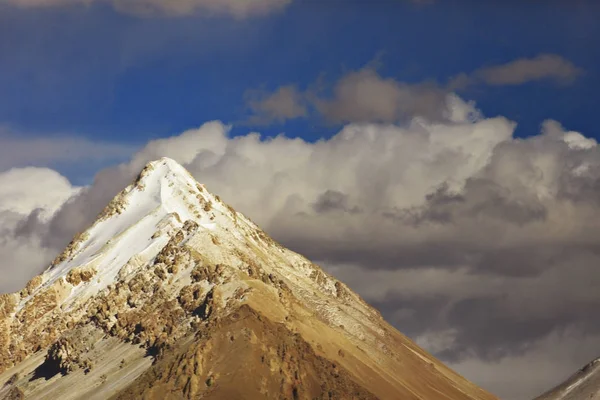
pixel 166 165
pixel 171 291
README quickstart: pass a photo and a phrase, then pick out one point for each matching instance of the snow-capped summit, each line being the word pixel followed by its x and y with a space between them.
pixel 171 292
pixel 138 222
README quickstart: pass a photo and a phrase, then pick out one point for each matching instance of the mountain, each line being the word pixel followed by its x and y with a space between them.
pixel 172 294
pixel 584 384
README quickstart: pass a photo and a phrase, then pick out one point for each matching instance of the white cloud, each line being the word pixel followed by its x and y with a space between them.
pixel 27 189
pixel 38 192
pixel 235 8
pixel 17 150
pixel 479 244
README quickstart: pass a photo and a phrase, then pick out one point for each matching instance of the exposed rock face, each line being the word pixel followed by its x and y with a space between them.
pixel 31 286
pixel 221 309
pixel 246 356
pixel 8 303
pixel 78 275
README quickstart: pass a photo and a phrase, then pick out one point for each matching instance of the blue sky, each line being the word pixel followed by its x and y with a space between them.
pixel 93 72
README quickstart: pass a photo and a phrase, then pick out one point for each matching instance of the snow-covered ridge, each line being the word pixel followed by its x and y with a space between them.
pixel 143 218
pixel 584 384
pixel 138 222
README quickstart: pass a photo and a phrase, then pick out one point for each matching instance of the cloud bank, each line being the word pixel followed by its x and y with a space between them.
pixel 365 95
pixel 27 150
pixel 145 8
pixel 481 246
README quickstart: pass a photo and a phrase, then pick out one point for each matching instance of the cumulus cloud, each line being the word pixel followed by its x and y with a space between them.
pixel 358 96
pixel 236 8
pixel 28 189
pixel 365 95
pixel 28 194
pixel 481 246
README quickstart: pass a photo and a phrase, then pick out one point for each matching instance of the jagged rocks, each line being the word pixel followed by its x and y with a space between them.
pixel 71 352
pixel 42 303
pixel 33 284
pixel 341 291
pixel 62 358
pixel 173 255
pixel 191 297
pixel 71 248
pixel 78 275
pixel 206 205
pixel 116 206
pixel 8 303
pixel 190 227
pixel 139 181
pixel 210 273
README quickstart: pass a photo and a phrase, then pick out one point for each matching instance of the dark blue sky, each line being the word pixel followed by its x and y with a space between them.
pixel 92 72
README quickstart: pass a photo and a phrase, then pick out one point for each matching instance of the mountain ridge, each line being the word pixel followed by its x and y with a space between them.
pixel 583 384
pixel 161 276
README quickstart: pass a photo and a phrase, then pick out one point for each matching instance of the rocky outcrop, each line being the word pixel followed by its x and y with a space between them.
pixel 33 284
pixel 78 275
pixel 71 249
pixel 35 326
pixel 246 356
pixel 8 303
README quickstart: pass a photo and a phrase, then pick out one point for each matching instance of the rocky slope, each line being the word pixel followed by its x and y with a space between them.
pixel 172 294
pixel 582 385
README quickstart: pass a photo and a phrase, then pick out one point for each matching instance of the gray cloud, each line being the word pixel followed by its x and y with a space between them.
pixel 18 150
pixel 543 66
pixel 480 246
pixel 551 67
pixel 358 96
pixel 285 103
pixel 331 201
pixel 235 8
pixel 366 96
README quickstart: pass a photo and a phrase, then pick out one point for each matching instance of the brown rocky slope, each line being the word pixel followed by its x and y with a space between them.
pixel 172 294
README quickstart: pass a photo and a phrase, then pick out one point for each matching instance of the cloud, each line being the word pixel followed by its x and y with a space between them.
pixel 18 150
pixel 481 246
pixel 28 194
pixel 365 95
pixel 235 8
pixel 358 96
pixel 551 67
pixel 28 189
pixel 285 103
pixel 538 365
